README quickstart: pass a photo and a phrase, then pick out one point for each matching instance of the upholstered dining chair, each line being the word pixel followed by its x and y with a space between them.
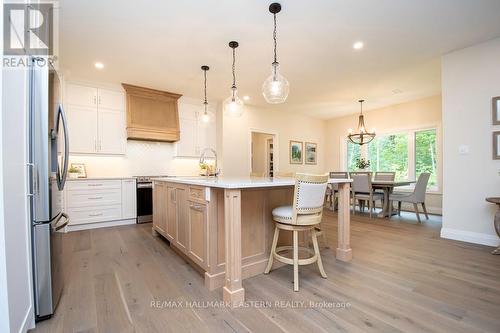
pixel 416 197
pixel 384 176
pixel 332 190
pixel 304 214
pixel 389 176
pixel 362 190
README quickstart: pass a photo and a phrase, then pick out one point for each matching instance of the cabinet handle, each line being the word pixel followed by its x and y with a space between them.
pixel 197 207
pixel 95 99
pixel 94 184
pixel 99 99
pixel 94 215
pixel 95 198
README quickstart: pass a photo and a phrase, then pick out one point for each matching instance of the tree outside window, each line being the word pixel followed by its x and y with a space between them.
pixel 425 155
pixel 395 152
pixel 353 153
pixel 390 153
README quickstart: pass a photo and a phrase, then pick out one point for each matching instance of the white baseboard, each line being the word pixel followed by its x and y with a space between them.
pixel 86 226
pixel 470 237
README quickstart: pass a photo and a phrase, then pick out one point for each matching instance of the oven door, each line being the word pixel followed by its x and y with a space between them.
pixel 144 202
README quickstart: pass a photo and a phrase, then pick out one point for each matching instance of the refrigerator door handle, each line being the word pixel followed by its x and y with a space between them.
pixel 66 221
pixel 52 220
pixel 61 177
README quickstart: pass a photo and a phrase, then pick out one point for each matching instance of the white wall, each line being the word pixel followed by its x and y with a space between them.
pixel 4 299
pixel 15 208
pixel 470 78
pixel 236 139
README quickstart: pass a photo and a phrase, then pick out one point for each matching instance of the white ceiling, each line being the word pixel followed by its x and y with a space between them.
pixel 162 44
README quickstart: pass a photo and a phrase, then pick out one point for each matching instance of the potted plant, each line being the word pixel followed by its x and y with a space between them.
pixel 73 172
pixel 362 164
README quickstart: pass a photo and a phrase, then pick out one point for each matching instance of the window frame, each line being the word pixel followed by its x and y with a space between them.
pixel 411 134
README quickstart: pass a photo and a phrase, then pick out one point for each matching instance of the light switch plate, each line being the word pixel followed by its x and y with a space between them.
pixel 464 150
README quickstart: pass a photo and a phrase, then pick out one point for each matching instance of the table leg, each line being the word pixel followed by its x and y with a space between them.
pixel 385 208
pixel 233 291
pixel 344 251
pixel 497 229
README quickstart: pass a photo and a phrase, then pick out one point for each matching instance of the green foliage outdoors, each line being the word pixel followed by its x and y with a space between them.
pixel 390 153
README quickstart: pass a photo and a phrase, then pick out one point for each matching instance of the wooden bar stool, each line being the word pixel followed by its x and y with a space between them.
pixel 304 215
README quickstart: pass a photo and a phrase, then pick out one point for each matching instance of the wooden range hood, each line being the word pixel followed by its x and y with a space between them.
pixel 152 115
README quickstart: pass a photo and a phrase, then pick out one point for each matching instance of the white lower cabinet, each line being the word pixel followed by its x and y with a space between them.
pixel 129 200
pixel 98 203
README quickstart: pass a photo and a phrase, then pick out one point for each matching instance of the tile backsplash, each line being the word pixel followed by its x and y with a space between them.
pixel 142 158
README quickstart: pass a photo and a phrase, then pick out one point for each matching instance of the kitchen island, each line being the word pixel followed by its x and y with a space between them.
pixel 224 225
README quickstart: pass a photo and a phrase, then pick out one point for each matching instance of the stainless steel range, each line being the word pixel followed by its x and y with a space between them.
pixel 145 198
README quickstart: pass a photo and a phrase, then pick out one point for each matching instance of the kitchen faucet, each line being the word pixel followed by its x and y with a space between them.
pixel 202 160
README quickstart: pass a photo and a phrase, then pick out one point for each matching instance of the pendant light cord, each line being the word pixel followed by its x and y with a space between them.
pixel 205 87
pixel 234 73
pixel 275 40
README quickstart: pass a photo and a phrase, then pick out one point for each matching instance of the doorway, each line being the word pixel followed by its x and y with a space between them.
pixel 263 154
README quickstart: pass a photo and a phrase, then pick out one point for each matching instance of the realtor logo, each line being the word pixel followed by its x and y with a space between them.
pixel 27 29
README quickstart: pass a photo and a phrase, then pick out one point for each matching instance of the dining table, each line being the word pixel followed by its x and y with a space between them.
pixel 388 187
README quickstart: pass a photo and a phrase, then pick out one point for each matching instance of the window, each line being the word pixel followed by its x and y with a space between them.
pixel 390 153
pixel 353 153
pixel 425 155
pixel 407 153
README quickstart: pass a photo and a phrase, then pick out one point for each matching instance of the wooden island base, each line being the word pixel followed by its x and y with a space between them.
pixel 210 226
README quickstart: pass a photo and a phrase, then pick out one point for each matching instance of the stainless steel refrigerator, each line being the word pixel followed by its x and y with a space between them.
pixel 47 170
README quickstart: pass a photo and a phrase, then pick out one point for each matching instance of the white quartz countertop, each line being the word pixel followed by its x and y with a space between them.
pixel 238 182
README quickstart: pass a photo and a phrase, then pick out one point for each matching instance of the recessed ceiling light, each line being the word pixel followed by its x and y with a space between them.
pixel 246 98
pixel 358 45
pixel 99 65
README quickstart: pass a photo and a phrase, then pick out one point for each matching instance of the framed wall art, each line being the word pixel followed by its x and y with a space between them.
pixel 296 148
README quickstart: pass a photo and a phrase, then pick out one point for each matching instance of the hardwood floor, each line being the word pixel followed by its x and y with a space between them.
pixel 403 278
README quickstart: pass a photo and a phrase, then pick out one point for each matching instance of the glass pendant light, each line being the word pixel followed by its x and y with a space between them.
pixel 206 116
pixel 233 105
pixel 363 136
pixel 275 88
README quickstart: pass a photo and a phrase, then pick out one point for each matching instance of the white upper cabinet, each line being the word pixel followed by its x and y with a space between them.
pixel 112 132
pixel 195 135
pixel 82 129
pixel 81 95
pixel 96 120
pixel 110 99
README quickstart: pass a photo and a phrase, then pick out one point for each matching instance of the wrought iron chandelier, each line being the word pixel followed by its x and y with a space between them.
pixel 363 136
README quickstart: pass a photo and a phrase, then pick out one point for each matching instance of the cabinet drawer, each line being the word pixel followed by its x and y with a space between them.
pixel 197 193
pixel 93 184
pixel 91 198
pixel 94 214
